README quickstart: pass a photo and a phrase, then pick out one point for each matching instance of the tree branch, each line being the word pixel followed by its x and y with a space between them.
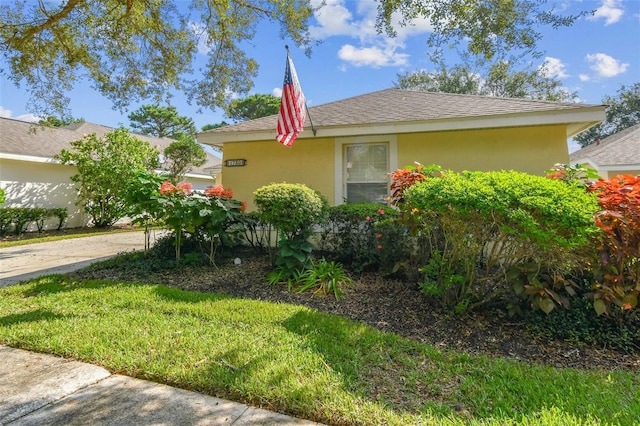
pixel 51 20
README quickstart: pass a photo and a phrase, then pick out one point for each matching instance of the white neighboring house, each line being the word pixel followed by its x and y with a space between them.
pixel 31 177
pixel 618 154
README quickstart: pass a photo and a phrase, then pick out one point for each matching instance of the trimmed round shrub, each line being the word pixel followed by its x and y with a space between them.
pixel 291 208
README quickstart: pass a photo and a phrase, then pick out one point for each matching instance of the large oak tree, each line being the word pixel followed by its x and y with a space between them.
pixel 143 50
pixel 501 79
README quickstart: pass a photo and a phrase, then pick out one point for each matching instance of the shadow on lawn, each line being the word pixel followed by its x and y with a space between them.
pixel 381 367
pixel 31 316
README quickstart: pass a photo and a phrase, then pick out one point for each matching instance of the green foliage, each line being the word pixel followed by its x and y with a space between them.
pixel 294 256
pixel 209 219
pixel 568 173
pixel 136 51
pixel 258 233
pixel 319 366
pixel 442 280
pixel 363 236
pixel 326 277
pixel 181 156
pixel 623 111
pixel 103 164
pixel 53 121
pixel 18 219
pixel 543 290
pixel 578 323
pixel 484 224
pixel 161 122
pixel 140 197
pixel 38 216
pixel 214 126
pixel 61 214
pixel 291 208
pixel 489 29
pixel 3 198
pixel 22 217
pixel 252 107
pixel 501 79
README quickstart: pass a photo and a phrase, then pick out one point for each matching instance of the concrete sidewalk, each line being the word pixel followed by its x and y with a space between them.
pixel 38 389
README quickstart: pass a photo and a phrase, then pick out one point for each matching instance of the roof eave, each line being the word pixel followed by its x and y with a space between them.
pixel 575 120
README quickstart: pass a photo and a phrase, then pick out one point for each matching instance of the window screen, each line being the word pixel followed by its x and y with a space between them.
pixel 366 170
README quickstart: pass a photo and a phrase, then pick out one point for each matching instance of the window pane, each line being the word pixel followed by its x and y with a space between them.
pixel 366 193
pixel 367 167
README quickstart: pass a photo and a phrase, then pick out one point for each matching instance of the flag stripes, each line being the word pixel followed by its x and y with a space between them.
pixel 292 107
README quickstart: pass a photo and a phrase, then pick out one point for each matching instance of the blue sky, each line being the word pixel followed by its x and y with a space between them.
pixel 594 57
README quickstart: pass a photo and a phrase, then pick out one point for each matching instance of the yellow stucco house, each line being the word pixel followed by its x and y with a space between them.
pixel 359 140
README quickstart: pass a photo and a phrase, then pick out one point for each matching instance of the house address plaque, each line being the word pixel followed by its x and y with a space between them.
pixel 238 162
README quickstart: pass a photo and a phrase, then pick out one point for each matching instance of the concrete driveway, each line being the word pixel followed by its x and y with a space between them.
pixel 29 261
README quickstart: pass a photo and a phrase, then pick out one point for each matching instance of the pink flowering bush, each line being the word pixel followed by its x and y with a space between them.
pixel 209 218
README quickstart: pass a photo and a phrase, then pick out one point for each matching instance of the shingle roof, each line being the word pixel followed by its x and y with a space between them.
pixel 403 106
pixel 26 139
pixel 619 149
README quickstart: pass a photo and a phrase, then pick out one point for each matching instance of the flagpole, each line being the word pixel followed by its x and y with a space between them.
pixel 313 129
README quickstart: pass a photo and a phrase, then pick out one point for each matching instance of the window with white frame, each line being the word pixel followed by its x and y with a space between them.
pixel 362 165
pixel 366 167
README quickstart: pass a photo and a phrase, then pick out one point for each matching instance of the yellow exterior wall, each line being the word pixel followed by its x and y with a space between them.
pixel 611 173
pixel 312 161
pixel 308 161
pixel 526 149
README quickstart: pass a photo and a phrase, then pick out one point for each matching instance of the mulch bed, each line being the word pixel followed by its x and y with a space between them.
pixel 389 305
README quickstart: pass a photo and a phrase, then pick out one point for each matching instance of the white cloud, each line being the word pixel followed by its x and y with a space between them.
pixel 584 77
pixel 277 92
pixel 553 67
pixel 605 65
pixel 5 113
pixel 335 19
pixel 28 117
pixel 340 18
pixel 371 56
pixel 611 11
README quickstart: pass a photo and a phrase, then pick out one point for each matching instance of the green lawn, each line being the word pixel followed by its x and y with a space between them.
pixel 299 361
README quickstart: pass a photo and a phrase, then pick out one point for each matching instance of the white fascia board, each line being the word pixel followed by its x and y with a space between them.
pixel 605 167
pixel 576 122
pixel 616 167
pixel 585 161
pixel 28 158
pixel 199 176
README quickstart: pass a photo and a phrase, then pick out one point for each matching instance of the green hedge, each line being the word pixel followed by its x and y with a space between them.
pixel 17 220
pixel 365 236
pixel 480 226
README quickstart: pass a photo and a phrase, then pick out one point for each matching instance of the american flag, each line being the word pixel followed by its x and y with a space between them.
pixel 292 107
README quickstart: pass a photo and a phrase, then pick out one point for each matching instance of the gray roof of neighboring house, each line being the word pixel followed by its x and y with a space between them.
pixel 619 149
pixel 28 139
pixel 404 106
